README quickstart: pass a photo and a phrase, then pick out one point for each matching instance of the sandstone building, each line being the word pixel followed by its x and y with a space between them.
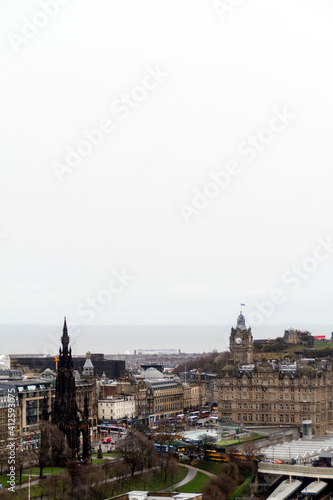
pixel 273 393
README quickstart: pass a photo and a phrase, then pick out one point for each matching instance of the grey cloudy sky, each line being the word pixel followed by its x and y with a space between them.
pixel 210 176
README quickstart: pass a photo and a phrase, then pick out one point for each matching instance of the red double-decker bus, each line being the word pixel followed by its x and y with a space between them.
pixel 204 414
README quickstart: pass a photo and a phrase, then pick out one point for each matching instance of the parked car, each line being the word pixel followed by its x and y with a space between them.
pixel 106 440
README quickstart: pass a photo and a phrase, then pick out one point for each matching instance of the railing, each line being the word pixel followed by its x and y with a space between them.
pixel 296 470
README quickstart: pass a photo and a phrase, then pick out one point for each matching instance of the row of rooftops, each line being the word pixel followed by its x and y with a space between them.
pixel 35 384
pixel 302 367
pixel 155 379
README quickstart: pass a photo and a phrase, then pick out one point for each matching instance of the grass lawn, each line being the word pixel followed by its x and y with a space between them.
pixel 213 467
pixel 230 442
pixel 149 482
pixel 35 492
pixel 99 460
pixel 195 486
pixel 111 455
pixel 34 471
pixel 3 480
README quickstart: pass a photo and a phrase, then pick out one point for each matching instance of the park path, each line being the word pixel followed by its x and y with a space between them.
pixel 192 472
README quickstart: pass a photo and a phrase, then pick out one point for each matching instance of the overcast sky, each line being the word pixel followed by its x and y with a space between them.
pixel 209 182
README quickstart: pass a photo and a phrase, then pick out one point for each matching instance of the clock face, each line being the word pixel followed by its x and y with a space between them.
pixel 238 340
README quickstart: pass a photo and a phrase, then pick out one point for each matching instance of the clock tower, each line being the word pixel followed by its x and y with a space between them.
pixel 241 342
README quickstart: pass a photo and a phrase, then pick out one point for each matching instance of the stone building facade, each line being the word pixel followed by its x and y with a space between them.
pixel 159 397
pixel 271 393
pixel 115 408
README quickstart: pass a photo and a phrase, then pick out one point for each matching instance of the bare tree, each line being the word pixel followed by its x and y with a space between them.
pixel 165 436
pixel 7 495
pixel 51 485
pixel 64 482
pixel 219 488
pixel 43 450
pixel 51 446
pixel 93 478
pixel 231 469
pixel 206 442
pixel 212 492
pixel 19 464
pixel 137 451
pixel 120 471
pixel 3 461
pixel 74 473
pixel 106 469
pixel 249 448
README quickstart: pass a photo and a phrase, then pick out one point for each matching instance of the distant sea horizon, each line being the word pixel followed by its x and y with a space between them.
pixel 125 339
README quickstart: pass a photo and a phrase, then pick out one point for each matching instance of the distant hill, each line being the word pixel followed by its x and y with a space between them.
pixel 208 363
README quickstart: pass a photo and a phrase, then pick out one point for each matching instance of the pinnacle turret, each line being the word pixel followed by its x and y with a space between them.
pixel 65 338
